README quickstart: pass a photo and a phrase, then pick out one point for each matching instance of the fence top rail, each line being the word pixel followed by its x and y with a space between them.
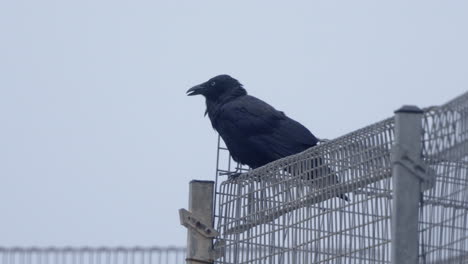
pixel 352 139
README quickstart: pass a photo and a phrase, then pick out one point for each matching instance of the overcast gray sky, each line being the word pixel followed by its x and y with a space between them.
pixel 98 141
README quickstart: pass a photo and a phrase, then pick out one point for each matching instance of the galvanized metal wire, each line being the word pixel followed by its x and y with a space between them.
pixel 289 211
pixel 90 255
pixel 444 208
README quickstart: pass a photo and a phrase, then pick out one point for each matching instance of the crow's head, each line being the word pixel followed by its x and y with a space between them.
pixel 218 88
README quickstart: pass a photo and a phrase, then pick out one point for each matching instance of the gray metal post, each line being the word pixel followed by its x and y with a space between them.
pixel 406 184
pixel 199 220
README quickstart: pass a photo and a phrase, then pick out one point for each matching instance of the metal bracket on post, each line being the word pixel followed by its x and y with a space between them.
pixel 219 247
pixel 190 221
pixel 400 156
pixel 198 220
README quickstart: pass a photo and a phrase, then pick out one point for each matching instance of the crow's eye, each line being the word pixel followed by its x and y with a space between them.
pixel 213 83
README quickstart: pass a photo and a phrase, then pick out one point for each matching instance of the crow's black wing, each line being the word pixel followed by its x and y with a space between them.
pixel 256 133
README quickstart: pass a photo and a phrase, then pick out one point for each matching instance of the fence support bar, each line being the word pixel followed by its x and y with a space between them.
pixel 199 222
pixel 406 184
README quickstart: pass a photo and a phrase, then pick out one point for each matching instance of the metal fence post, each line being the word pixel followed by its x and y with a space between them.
pixel 406 158
pixel 198 220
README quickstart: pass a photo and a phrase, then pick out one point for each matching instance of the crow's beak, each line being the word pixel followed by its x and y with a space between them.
pixel 195 90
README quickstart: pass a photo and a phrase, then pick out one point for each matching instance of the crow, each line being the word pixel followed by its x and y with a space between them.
pixel 255 132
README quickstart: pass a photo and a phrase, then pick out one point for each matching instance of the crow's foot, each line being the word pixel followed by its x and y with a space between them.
pixel 233 175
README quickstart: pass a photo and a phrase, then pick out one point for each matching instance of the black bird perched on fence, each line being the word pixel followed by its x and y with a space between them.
pixel 254 132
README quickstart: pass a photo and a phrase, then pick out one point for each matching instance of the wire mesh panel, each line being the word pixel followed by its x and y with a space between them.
pixel 86 255
pixel 444 208
pixel 332 203
pixel 329 204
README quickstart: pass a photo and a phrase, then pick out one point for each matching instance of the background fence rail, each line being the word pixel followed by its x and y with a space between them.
pixel 90 255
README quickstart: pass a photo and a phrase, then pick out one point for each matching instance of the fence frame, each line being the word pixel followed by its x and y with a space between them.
pixel 411 175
